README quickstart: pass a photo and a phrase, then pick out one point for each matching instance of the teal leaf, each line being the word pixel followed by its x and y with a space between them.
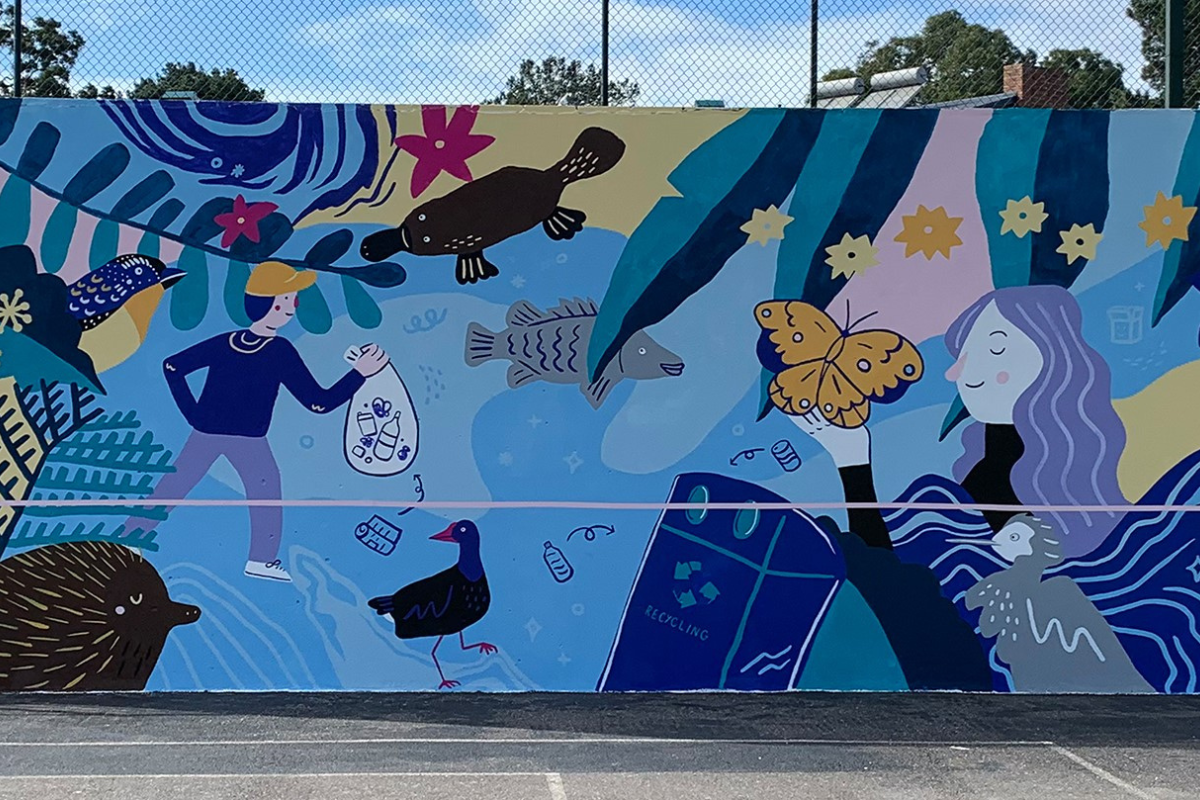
pixel 954 417
pixel 39 149
pixel 105 242
pixel 15 211
pixel 57 235
pixel 189 298
pixel 203 225
pixel 330 248
pixel 97 174
pixel 363 309
pixel 150 245
pixel 273 232
pixel 235 292
pixel 313 311
pixel 149 190
pixel 29 362
pixel 10 108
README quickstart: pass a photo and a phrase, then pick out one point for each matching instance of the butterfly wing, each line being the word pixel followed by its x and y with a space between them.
pixel 880 364
pixel 794 333
pixel 839 400
pixel 794 391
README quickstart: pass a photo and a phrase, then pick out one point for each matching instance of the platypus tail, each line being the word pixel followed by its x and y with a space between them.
pixel 481 345
pixel 595 152
pixel 382 605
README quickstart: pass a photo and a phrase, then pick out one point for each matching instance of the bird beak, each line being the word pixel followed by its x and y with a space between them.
pixel 445 536
pixel 170 276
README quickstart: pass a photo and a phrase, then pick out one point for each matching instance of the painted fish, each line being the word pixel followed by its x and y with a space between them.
pixel 497 206
pixel 552 346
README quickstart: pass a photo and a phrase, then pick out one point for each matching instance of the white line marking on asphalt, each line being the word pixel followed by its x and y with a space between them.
pixel 1103 774
pixel 269 775
pixel 554 781
pixel 526 741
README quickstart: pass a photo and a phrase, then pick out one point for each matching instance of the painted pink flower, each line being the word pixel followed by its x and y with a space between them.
pixel 243 220
pixel 445 147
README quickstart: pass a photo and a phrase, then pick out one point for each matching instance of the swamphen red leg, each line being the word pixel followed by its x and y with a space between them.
pixel 445 684
pixel 483 647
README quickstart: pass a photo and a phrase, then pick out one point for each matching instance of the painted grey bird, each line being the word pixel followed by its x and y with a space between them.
pixel 1048 631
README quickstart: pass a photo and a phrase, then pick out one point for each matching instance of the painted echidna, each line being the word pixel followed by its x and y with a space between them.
pixel 83 616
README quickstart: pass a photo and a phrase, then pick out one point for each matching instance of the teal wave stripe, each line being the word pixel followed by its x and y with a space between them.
pixel 189 298
pixel 1006 169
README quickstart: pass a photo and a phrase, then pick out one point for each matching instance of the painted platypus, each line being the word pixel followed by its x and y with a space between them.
pixel 489 210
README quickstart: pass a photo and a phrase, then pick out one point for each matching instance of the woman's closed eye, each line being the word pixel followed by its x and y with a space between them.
pixel 999 352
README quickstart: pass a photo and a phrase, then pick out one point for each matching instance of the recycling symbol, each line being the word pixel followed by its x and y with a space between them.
pixel 691 588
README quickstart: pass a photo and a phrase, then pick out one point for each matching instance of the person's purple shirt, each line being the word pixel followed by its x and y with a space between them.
pixel 245 372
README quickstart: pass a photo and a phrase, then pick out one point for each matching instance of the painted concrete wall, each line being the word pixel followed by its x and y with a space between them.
pixel 521 399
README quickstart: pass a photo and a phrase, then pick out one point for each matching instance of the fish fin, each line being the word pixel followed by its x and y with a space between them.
pixel 481 345
pixel 473 267
pixel 520 374
pixel 595 152
pixel 382 605
pixel 522 314
pixel 564 223
pixel 598 390
pixel 572 309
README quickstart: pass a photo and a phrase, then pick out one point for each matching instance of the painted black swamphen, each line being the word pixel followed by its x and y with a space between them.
pixel 446 603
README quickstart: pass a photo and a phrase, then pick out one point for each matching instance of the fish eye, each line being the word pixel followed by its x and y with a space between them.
pixel 426 240
pixel 216 163
pixel 1014 536
pixel 641 351
pixel 766 312
pixel 120 610
pixel 864 365
pixel 421 217
pixel 797 337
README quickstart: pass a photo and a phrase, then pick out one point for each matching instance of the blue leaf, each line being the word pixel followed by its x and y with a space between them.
pixel 10 107
pixel 39 149
pixel 15 211
pixel 363 309
pixel 149 190
pixel 165 214
pixel 97 174
pixel 330 248
pixel 203 226
pixel 273 232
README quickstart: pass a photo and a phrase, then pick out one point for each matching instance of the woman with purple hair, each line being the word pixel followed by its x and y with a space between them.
pixel 1044 430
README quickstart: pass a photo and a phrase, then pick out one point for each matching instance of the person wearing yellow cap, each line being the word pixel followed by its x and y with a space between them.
pixel 246 370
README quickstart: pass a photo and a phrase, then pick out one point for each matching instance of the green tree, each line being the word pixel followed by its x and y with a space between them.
pixel 216 84
pixel 966 59
pixel 554 79
pixel 1150 15
pixel 92 92
pixel 48 53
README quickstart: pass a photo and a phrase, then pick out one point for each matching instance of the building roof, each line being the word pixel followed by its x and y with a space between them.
pixel 1001 100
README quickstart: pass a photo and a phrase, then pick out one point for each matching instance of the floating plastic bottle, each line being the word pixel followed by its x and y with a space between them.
pixel 557 563
pixel 786 455
pixel 389 437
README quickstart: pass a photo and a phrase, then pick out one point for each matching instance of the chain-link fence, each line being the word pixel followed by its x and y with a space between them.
pixel 1102 53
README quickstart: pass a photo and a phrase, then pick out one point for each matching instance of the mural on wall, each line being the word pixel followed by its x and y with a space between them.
pixel 260 364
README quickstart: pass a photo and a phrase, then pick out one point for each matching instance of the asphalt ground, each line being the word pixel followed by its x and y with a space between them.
pixel 559 746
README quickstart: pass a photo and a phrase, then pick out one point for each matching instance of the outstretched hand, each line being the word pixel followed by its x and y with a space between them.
pixel 848 447
pixel 371 360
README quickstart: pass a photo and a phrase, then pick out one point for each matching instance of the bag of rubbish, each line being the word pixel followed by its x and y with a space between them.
pixel 381 424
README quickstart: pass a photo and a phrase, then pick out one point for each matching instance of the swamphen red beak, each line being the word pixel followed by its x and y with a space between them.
pixel 446 535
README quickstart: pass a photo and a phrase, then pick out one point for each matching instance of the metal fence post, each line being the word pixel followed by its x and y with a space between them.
pixel 812 55
pixel 1174 54
pixel 16 38
pixel 604 52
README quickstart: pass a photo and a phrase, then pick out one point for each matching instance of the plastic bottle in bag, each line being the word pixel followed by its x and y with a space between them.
pixel 381 430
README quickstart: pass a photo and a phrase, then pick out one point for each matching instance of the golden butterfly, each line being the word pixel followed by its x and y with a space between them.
pixel 820 365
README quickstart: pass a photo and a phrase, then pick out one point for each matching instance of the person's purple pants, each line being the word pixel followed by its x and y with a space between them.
pixel 251 457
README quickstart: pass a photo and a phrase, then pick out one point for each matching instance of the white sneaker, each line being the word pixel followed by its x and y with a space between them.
pixel 271 571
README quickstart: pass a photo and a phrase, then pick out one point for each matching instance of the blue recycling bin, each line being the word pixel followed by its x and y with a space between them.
pixel 724 599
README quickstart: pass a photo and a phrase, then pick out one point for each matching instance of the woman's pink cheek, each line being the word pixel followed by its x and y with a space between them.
pixel 1002 377
pixel 956 369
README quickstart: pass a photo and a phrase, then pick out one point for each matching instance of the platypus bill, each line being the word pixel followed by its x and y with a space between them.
pixel 497 206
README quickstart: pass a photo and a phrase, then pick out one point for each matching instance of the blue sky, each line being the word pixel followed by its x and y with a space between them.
pixel 459 51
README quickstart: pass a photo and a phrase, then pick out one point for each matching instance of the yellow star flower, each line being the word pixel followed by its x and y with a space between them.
pixel 1079 242
pixel 765 225
pixel 1167 220
pixel 929 232
pixel 851 256
pixel 1023 216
